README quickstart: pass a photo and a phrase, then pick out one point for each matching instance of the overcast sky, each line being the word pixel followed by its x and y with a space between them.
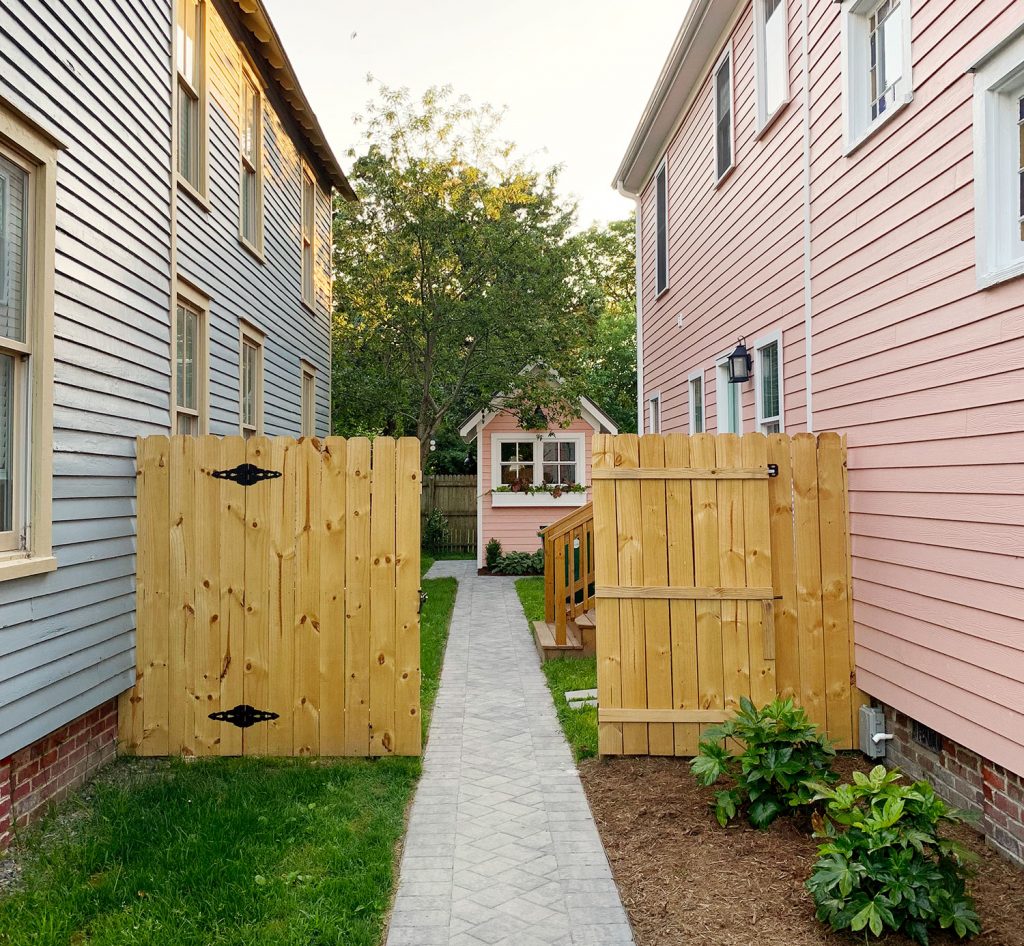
pixel 574 74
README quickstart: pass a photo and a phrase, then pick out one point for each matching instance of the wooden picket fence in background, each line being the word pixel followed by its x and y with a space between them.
pixel 455 496
pixel 296 596
pixel 716 580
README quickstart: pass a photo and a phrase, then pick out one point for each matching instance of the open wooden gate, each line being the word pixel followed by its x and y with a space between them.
pixel 277 598
pixel 722 571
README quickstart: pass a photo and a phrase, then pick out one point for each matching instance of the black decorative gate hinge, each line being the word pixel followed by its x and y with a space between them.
pixel 773 470
pixel 245 474
pixel 243 716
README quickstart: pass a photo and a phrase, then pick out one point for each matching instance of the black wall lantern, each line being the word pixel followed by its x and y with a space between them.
pixel 740 364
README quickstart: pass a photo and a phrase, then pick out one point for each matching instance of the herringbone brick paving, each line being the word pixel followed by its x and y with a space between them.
pixel 502 847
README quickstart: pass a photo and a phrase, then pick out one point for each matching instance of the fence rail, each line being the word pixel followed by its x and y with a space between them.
pixel 569 569
pixel 455 497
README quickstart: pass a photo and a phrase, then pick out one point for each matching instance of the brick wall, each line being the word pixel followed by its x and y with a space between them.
pixel 47 770
pixel 965 780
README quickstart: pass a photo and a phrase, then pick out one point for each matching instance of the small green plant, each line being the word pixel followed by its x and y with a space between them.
pixel 884 863
pixel 782 752
pixel 520 563
pixel 436 531
pixel 492 553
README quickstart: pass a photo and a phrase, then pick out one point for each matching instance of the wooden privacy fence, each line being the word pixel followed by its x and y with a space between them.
pixel 455 496
pixel 722 570
pixel 277 598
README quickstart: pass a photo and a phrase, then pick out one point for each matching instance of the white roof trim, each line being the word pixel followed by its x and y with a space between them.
pixel 592 414
pixel 695 43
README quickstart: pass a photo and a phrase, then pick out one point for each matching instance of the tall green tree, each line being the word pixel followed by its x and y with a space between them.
pixel 607 364
pixel 454 273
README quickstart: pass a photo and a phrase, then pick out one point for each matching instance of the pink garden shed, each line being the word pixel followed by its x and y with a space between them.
pixel 529 478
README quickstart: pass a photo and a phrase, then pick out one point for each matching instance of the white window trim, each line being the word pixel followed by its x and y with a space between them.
pixel 248 73
pixel 858 126
pixel 764 117
pixel 39 153
pixel 691 419
pixel 306 174
pixel 722 387
pixel 307 370
pixel 654 413
pixel 248 332
pixel 657 254
pixel 537 499
pixel 999 251
pixel 774 338
pixel 726 55
pixel 199 194
pixel 199 301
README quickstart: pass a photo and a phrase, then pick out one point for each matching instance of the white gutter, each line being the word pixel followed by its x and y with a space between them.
pixel 639 310
pixel 808 296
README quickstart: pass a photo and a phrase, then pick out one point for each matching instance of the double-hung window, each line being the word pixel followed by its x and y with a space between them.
pixel 190 363
pixel 696 384
pixel 661 234
pixel 308 400
pixel 28 163
pixel 877 77
pixel 251 133
pixel 250 372
pixel 190 55
pixel 724 143
pixel 999 163
pixel 768 384
pixel 308 236
pixel 771 34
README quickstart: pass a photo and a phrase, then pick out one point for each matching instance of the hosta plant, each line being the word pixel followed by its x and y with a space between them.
pixel 884 864
pixel 780 753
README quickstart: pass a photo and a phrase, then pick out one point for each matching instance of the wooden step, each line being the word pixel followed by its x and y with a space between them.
pixel 589 619
pixel 549 650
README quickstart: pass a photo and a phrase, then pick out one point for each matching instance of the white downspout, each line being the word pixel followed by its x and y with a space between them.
pixel 639 313
pixel 808 296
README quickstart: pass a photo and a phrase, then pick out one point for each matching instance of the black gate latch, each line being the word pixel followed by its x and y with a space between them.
pixel 245 474
pixel 773 470
pixel 243 716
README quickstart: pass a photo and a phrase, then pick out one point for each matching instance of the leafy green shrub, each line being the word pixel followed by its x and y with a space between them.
pixel 436 531
pixel 492 553
pixel 782 752
pixel 884 864
pixel 520 563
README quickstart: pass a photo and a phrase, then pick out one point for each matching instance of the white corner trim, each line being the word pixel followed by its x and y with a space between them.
pixel 808 287
pixel 480 541
pixel 639 324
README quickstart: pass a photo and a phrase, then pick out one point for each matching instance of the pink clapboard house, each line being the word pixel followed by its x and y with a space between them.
pixel 841 185
pixel 529 478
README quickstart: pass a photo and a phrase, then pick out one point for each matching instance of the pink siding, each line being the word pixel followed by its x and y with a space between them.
pixel 757 212
pixel 516 527
pixel 924 373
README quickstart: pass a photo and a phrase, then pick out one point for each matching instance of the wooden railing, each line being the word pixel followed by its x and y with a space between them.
pixel 569 569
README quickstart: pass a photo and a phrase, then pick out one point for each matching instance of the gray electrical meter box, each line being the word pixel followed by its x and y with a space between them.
pixel 872 722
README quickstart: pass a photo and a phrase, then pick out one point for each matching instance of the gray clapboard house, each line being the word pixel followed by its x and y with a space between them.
pixel 165 262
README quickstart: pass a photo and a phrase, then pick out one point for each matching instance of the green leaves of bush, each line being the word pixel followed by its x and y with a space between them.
pixel 782 754
pixel 519 563
pixel 884 864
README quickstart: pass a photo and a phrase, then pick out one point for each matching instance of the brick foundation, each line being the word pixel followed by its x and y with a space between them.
pixel 49 769
pixel 965 780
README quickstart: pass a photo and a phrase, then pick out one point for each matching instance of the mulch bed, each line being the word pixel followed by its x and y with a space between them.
pixel 687 882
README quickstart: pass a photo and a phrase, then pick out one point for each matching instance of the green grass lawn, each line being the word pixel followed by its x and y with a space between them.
pixel 225 852
pixel 579 725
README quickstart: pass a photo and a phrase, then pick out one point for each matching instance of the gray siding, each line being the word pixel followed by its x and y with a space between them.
pixel 240 286
pixel 98 76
